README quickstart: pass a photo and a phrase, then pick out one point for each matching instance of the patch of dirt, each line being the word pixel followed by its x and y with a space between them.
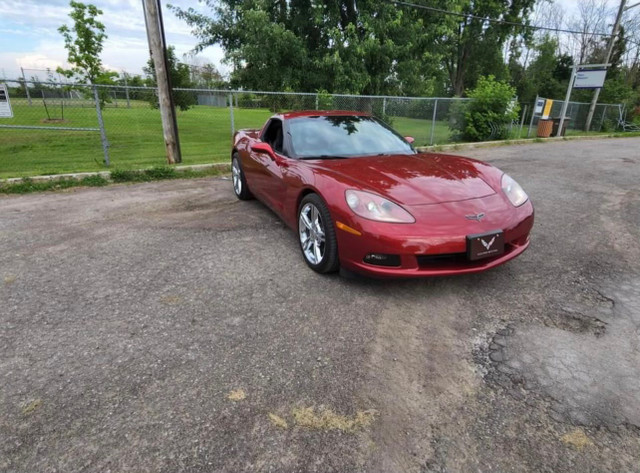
pixel 577 439
pixel 237 395
pixel 326 419
pixel 278 421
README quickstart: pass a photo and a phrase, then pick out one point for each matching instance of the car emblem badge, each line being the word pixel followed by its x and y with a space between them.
pixel 476 217
pixel 487 245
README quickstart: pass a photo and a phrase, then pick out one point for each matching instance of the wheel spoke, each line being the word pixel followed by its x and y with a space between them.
pixel 305 220
pixel 314 214
pixel 316 251
pixel 306 244
pixel 236 178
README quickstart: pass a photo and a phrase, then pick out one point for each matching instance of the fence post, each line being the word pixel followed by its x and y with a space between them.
pixel 317 102
pixel 524 113
pixel 103 134
pixel 384 106
pixel 233 125
pixel 533 114
pixel 126 90
pixel 604 113
pixel 26 87
pixel 433 122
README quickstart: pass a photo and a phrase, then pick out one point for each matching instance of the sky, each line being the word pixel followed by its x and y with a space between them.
pixel 29 36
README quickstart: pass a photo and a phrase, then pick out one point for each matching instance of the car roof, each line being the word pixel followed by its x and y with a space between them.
pixel 320 113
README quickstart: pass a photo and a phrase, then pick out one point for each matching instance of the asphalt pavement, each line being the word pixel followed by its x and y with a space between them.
pixel 168 327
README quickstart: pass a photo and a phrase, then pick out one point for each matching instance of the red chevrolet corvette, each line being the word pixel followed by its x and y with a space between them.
pixel 360 197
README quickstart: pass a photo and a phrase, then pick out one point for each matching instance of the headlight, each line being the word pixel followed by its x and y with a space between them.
pixel 513 191
pixel 375 207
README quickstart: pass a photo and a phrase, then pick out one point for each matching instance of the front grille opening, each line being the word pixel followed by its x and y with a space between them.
pixel 381 259
pixel 456 259
pixel 442 259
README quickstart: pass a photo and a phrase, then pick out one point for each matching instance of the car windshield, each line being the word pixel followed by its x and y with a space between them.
pixel 345 136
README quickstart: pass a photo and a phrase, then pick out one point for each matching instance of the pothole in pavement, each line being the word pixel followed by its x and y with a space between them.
pixel 587 364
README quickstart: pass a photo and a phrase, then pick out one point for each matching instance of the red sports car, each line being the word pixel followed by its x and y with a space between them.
pixel 360 197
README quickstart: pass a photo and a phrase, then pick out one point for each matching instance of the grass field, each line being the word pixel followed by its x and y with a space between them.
pixel 135 137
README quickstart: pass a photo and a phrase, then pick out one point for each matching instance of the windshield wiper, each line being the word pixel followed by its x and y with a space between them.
pixel 325 156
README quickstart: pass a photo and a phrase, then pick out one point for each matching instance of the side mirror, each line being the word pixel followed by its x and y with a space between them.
pixel 409 139
pixel 262 147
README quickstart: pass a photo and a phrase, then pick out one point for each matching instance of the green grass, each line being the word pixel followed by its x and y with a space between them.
pixel 421 130
pixel 28 185
pixel 135 137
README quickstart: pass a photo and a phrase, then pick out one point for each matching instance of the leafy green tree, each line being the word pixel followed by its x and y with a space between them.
pixel 206 75
pixel 548 74
pixel 473 46
pixel 490 112
pixel 136 81
pixel 84 43
pixel 180 77
pixel 349 46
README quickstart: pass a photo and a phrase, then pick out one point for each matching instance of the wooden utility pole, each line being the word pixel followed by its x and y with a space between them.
pixel 612 42
pixel 158 50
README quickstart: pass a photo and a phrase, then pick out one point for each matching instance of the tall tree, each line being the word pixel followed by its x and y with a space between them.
pixel 592 17
pixel 548 74
pixel 180 78
pixel 473 47
pixel 84 43
pixel 357 46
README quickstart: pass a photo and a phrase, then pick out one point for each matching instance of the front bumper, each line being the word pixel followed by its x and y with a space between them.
pixel 436 244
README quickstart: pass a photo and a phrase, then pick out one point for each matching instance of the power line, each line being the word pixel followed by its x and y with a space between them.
pixel 491 20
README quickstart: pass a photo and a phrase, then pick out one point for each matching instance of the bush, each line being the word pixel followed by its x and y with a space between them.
pixel 325 100
pixel 608 125
pixel 153 174
pixel 248 100
pixel 490 112
pixel 94 181
pixel 27 185
pixel 160 172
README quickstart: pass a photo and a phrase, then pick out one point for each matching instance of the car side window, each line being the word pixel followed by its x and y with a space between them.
pixel 274 135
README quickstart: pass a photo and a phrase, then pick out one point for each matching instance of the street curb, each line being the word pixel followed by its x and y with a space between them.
pixel 106 174
pixel 521 141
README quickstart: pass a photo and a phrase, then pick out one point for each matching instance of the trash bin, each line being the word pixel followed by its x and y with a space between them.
pixel 544 128
pixel 556 124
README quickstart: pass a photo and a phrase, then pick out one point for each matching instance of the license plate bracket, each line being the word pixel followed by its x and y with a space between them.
pixel 485 245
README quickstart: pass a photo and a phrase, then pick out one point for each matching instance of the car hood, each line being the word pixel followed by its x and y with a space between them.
pixel 417 179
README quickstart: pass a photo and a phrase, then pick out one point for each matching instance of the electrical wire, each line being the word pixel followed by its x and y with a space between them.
pixel 492 20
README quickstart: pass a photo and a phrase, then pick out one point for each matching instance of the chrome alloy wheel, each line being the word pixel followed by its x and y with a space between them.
pixel 311 230
pixel 236 174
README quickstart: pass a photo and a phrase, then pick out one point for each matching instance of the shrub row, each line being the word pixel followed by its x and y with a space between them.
pixel 28 185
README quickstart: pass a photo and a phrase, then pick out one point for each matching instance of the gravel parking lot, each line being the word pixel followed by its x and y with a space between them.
pixel 168 327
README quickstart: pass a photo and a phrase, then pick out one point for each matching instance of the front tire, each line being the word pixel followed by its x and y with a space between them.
pixel 240 187
pixel 317 235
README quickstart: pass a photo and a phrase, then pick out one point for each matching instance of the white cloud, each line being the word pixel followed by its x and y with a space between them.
pixel 34 24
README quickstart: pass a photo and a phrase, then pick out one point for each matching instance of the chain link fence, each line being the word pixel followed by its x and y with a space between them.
pixel 59 127
pixel 606 117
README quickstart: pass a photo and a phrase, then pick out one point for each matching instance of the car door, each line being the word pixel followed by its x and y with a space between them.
pixel 267 174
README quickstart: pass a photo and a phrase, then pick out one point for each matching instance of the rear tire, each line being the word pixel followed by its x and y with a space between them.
pixel 317 235
pixel 240 187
